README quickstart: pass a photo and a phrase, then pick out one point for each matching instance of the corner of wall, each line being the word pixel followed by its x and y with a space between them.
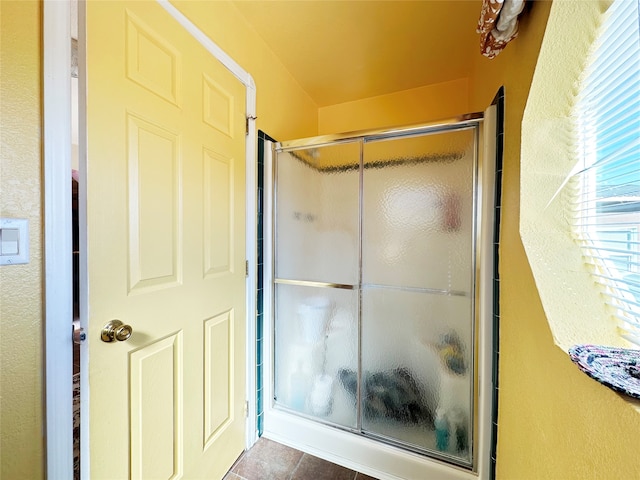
pixel 284 109
pixel 418 105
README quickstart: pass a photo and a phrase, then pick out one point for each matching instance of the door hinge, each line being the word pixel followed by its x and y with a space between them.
pixel 246 409
pixel 246 268
pixel 246 124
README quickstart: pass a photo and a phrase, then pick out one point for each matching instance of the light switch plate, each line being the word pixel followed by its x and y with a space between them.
pixel 14 241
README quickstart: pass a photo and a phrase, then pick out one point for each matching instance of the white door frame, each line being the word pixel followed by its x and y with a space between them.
pixel 58 276
pixel 58 245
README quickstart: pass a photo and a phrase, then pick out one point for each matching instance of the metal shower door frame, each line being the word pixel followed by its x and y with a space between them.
pixel 470 121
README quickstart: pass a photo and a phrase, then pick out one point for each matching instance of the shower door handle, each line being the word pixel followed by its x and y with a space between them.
pixel 115 331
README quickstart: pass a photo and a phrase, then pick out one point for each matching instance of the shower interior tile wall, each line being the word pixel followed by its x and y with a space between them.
pixel 499 102
pixel 262 137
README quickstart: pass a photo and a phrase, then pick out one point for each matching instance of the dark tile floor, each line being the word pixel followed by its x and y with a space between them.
pixel 268 460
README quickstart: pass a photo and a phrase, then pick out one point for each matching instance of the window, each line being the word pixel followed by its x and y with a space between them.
pixel 605 185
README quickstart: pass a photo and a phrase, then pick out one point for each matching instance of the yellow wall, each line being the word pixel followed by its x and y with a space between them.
pixel 554 422
pixel 418 105
pixel 21 441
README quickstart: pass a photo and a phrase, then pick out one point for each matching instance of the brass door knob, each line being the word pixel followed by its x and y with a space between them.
pixel 116 331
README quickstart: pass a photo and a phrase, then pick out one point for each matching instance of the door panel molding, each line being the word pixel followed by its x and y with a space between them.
pixel 154 165
pixel 218 213
pixel 157 439
pixel 218 372
pixel 143 41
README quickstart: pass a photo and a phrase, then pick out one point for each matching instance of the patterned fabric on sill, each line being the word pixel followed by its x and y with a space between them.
pixel 617 368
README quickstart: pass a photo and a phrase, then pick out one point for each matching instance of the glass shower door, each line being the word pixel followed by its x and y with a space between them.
pixel 374 287
pixel 316 280
pixel 418 291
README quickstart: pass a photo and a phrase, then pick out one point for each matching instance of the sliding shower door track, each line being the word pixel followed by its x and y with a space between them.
pixel 432 291
pixel 306 283
pixel 344 286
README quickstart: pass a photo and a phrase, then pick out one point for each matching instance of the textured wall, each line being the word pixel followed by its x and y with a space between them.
pixel 21 440
pixel 576 313
pixel 554 422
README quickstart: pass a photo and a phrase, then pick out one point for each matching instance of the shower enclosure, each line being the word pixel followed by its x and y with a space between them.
pixel 376 326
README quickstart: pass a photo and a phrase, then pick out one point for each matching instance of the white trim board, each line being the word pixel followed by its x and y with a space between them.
pixel 58 244
pixel 57 231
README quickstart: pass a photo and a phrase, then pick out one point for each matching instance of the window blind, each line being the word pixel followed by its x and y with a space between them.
pixel 606 183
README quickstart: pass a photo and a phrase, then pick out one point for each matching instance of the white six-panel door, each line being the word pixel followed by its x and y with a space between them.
pixel 165 248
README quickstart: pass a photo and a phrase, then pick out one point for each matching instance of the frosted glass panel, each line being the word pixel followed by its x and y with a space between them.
pixel 317 214
pixel 418 211
pixel 316 331
pixel 400 229
pixel 416 378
